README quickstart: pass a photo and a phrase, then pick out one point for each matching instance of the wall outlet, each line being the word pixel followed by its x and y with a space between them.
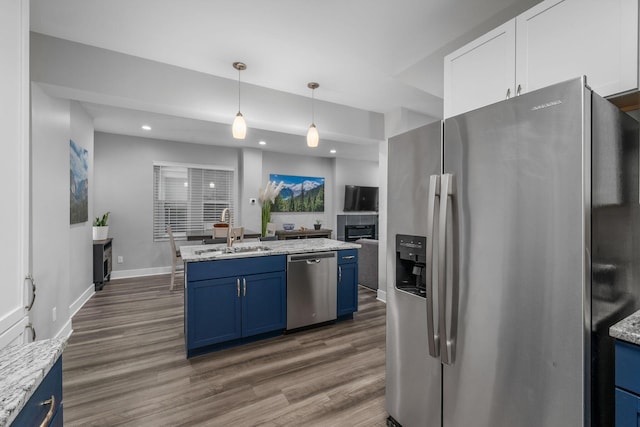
pixel 54 314
pixel 120 259
pixel 252 201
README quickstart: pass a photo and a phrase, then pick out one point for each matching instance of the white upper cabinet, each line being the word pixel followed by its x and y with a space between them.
pixel 560 40
pixel 481 72
pixel 554 41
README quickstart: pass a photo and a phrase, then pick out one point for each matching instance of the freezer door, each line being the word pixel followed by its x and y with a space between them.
pixel 519 170
pixel 413 378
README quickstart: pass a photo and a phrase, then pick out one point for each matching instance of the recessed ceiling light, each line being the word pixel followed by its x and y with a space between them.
pixel 146 127
pixel 262 143
pixel 332 151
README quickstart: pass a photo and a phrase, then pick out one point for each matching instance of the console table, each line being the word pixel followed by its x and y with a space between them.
pixel 102 262
pixel 303 234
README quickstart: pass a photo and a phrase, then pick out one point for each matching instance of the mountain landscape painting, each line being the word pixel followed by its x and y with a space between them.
pixel 299 194
pixel 79 168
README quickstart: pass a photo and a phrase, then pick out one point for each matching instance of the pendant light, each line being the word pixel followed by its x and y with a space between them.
pixel 239 128
pixel 312 134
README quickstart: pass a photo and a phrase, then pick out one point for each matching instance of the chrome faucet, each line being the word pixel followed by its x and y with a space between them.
pixel 223 216
pixel 231 237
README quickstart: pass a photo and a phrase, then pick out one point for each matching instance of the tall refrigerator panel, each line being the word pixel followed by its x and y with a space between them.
pixel 413 380
pixel 545 195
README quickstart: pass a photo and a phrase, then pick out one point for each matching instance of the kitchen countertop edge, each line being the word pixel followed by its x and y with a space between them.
pixel 22 369
pixel 277 247
pixel 628 329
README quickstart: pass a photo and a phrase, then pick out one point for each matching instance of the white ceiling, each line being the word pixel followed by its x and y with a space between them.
pixel 376 55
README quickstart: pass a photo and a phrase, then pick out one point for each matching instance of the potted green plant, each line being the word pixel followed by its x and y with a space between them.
pixel 100 227
pixel 317 225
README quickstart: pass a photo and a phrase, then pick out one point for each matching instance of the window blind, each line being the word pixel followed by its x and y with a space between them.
pixel 189 198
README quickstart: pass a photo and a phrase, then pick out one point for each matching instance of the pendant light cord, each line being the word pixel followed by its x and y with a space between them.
pixel 313 115
pixel 238 90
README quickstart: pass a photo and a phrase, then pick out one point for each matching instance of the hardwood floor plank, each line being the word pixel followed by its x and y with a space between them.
pixel 125 364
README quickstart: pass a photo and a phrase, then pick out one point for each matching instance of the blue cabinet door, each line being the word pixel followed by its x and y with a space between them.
pixel 263 303
pixel 627 409
pixel 347 281
pixel 214 311
pixel 48 393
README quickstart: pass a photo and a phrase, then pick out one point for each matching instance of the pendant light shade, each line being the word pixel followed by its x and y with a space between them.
pixel 239 127
pixel 312 134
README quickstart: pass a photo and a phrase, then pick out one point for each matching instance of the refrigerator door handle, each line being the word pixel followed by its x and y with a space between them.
pixel 448 261
pixel 433 204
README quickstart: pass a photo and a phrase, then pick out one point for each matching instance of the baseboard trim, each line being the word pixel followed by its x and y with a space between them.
pixel 154 271
pixel 382 296
pixel 81 300
pixel 66 330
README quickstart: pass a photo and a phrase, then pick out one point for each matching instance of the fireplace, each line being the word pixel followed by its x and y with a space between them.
pixel 362 231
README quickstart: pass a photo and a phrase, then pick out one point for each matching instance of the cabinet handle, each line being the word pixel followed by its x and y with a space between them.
pixel 518 90
pixel 238 285
pixel 52 408
pixel 508 93
pixel 29 277
pixel 349 257
pixel 244 286
pixel 339 273
pixel 33 331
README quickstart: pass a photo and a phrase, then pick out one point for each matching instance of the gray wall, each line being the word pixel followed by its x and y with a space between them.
pixel 124 187
pixel 61 253
pixel 284 164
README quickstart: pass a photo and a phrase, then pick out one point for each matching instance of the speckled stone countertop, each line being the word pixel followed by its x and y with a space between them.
pixel 22 369
pixel 276 247
pixel 628 329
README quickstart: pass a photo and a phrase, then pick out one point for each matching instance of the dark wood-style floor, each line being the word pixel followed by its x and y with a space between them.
pixel 125 365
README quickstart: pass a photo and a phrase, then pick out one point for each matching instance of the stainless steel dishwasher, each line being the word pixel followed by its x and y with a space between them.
pixel 312 291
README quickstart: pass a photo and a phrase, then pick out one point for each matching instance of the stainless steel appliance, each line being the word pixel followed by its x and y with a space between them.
pixel 360 231
pixel 530 211
pixel 312 291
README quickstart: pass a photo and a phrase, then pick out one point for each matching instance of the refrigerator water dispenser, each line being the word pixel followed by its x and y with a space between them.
pixel 411 264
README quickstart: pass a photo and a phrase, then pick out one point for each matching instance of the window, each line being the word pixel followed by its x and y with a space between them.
pixel 189 197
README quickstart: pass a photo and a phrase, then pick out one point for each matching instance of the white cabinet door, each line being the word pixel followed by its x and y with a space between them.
pixel 481 72
pixel 558 40
pixel 14 167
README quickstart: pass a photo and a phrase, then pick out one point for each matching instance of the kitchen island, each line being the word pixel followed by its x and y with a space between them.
pixel 238 294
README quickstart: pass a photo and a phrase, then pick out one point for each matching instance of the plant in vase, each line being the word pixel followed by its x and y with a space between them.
pixel 100 227
pixel 317 225
pixel 267 196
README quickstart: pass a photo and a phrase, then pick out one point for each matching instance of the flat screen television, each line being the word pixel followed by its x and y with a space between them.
pixel 359 198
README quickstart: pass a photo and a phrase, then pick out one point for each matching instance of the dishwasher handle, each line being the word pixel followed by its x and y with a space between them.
pixel 312 258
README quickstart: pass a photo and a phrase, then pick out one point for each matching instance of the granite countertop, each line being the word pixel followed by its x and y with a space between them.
pixel 628 329
pixel 276 247
pixel 22 369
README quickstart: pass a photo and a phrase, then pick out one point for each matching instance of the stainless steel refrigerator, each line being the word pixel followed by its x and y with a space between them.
pixel 514 243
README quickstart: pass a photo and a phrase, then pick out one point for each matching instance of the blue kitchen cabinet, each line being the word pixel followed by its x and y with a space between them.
pixel 229 302
pixel 214 312
pixel 264 303
pixel 347 283
pixel 44 407
pixel 627 384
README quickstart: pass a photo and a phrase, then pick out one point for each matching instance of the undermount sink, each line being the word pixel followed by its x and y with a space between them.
pixel 242 249
pixel 232 250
